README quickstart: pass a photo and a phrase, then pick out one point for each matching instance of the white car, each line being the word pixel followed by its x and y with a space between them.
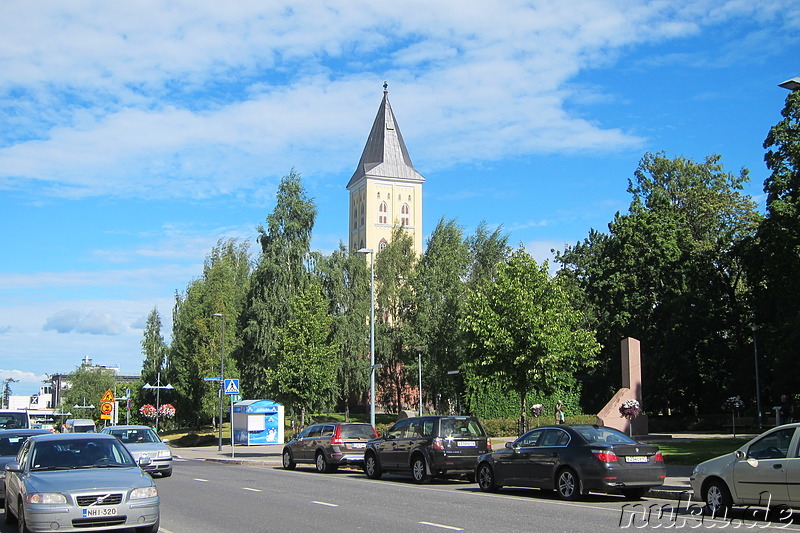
pixel 142 441
pixel 764 472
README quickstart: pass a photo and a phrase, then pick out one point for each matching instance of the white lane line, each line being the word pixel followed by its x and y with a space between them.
pixel 252 490
pixel 201 480
pixel 326 504
pixel 453 528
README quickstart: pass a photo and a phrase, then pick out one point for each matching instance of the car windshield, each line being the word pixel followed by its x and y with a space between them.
pixel 357 431
pixel 603 435
pixel 83 453
pixel 135 436
pixel 457 428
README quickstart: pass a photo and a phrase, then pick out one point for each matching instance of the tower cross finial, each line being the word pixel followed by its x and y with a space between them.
pixel 385 86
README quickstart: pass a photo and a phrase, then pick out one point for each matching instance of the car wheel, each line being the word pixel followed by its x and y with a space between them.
pixel 166 473
pixel 486 480
pixel 635 494
pixel 717 497
pixel 419 471
pixel 22 527
pixel 288 462
pixel 322 464
pixel 149 529
pixel 9 516
pixel 371 467
pixel 568 484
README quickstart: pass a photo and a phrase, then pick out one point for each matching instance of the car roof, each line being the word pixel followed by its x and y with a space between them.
pixel 128 426
pixel 24 432
pixel 71 436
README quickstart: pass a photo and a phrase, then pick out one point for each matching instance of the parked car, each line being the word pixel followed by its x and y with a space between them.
pixel 79 481
pixel 427 447
pixel 574 460
pixel 14 419
pixel 329 445
pixel 763 472
pixel 142 441
pixel 10 442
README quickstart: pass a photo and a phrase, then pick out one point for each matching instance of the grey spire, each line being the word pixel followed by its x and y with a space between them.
pixel 385 154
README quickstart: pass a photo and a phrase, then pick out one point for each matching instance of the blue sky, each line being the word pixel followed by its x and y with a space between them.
pixel 135 135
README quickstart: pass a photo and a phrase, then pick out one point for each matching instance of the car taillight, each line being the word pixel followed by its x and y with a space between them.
pixel 605 456
pixel 438 444
pixel 489 444
pixel 658 457
pixel 336 440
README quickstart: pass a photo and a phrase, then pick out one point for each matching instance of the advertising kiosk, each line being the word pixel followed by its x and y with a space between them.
pixel 257 422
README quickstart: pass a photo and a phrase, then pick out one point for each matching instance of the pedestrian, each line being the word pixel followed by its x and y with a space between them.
pixel 559 413
pixel 785 411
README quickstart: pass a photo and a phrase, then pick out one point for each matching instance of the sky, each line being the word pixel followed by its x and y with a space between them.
pixel 135 135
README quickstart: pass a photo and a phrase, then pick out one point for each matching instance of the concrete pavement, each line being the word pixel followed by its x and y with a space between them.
pixel 676 485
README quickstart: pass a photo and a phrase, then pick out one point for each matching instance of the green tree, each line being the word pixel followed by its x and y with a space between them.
pixel 523 331
pixel 345 282
pixel 87 384
pixel 302 373
pixel 487 251
pixel 395 303
pixel 670 273
pixel 774 256
pixel 282 271
pixel 196 347
pixel 439 286
pixel 155 352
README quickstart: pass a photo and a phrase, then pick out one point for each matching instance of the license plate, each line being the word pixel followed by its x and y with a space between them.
pixel 466 444
pixel 99 511
pixel 359 445
pixel 635 459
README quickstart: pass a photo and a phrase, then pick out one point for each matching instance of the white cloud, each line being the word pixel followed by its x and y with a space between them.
pixel 93 323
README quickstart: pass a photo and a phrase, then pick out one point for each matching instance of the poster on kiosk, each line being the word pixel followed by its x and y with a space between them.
pixel 257 422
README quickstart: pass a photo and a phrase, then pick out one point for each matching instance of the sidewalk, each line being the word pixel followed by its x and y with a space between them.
pixel 676 485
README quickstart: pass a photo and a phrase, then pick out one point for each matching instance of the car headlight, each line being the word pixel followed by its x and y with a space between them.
pixel 46 497
pixel 144 492
pixel 164 453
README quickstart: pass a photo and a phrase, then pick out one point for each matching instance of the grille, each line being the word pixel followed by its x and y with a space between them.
pixel 99 522
pixel 99 499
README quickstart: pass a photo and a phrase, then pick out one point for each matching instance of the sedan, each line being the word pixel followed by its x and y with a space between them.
pixel 574 460
pixel 763 472
pixel 142 441
pixel 79 481
pixel 10 442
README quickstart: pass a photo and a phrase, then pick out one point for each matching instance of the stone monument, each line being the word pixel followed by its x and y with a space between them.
pixel 631 390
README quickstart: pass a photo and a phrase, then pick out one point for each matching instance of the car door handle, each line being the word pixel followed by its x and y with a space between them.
pixel 777 466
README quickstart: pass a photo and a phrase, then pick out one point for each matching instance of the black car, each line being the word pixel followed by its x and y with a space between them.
pixel 427 447
pixel 574 460
pixel 329 445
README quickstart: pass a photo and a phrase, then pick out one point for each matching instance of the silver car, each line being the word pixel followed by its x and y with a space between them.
pixel 764 472
pixel 79 481
pixel 142 441
pixel 10 442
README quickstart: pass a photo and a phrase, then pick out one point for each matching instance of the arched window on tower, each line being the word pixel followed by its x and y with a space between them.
pixel 383 211
pixel 404 211
pixel 363 213
pixel 382 245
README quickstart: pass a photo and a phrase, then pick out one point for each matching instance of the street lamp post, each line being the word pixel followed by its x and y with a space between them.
pixel 419 350
pixel 371 332
pixel 221 379
pixel 158 386
pixel 758 384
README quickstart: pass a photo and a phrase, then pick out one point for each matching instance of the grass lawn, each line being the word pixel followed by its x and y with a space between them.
pixel 694 451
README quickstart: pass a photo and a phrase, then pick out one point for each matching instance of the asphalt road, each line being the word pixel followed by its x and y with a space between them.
pixel 218 498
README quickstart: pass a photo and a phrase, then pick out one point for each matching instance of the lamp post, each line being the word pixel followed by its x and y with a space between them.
pixel 419 350
pixel 221 378
pixel 758 384
pixel 791 85
pixel 158 386
pixel 371 332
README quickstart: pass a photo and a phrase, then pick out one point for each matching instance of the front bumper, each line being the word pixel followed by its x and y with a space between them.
pixel 45 518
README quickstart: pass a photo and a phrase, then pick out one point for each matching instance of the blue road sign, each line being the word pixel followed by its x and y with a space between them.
pixel 231 386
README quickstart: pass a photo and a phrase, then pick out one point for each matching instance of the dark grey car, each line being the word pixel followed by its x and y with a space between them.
pixel 329 445
pixel 427 447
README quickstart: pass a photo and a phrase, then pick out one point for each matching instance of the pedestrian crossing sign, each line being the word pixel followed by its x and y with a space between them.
pixel 231 386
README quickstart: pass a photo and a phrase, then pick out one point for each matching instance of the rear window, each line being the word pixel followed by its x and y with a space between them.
pixel 466 428
pixel 359 431
pixel 11 445
pixel 12 420
pixel 603 435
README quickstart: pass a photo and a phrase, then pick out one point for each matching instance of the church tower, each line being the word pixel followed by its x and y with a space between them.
pixel 385 190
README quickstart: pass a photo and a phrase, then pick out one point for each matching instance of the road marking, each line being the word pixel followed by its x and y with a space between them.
pixel 252 490
pixel 326 504
pixel 442 526
pixel 201 480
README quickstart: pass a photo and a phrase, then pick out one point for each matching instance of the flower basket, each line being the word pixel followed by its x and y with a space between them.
pixel 733 404
pixel 166 411
pixel 536 410
pixel 148 411
pixel 630 409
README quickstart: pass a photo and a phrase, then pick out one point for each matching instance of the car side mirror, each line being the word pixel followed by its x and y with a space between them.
pixel 145 461
pixel 740 454
pixel 165 441
pixel 510 445
pixel 13 466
